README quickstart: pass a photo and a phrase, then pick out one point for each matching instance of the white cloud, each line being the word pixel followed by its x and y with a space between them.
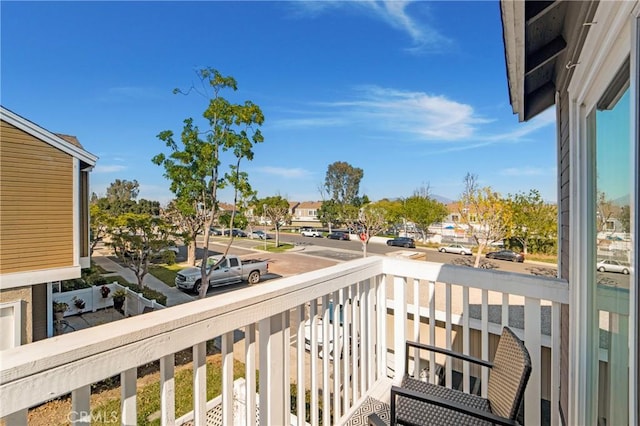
pixel 309 122
pixel 425 117
pixel 285 172
pixel 392 12
pixel 111 168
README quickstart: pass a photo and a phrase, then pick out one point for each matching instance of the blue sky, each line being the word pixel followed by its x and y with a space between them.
pixel 413 93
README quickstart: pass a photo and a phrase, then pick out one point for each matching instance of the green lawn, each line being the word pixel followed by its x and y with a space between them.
pixel 166 273
pixel 148 396
pixel 271 247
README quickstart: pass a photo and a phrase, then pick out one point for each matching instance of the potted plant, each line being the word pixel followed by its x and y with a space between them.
pixel 59 308
pixel 104 291
pixel 118 299
pixel 79 303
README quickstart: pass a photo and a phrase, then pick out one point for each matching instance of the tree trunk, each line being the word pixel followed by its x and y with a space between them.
pixel 364 248
pixel 479 255
pixel 191 252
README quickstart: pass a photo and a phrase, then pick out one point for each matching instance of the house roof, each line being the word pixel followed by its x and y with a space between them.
pixel 310 205
pixel 61 142
pixel 542 41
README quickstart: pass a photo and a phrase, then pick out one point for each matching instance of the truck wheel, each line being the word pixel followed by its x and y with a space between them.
pixel 254 277
pixel 196 287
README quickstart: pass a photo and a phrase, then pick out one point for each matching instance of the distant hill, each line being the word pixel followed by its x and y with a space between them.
pixel 441 199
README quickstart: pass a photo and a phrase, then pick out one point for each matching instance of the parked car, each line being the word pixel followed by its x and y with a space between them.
pixel 228 270
pixel 260 234
pixel 506 255
pixel 311 233
pixel 235 232
pixel 612 266
pixel 456 249
pixel 215 231
pixel 402 242
pixel 338 235
pixel 320 340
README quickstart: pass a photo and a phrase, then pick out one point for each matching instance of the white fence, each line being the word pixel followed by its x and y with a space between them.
pixel 135 303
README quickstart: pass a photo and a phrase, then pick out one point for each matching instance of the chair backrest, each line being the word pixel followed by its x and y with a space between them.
pixel 509 375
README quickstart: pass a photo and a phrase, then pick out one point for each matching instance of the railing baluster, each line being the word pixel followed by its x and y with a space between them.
pixel 505 310
pixel 382 325
pixel 19 418
pixel 227 378
pixel 80 406
pixel 416 327
pixel 329 345
pixel 128 397
pixel 300 352
pixel 286 357
pixel 532 335
pixel 466 374
pixel 250 373
pixel 272 346
pixel 555 364
pixel 338 350
pixel 399 326
pixel 449 370
pixel 200 383
pixel 432 330
pixel 355 296
pixel 313 339
pixel 371 330
pixel 348 314
pixel 485 340
pixel 167 390
pixel 361 342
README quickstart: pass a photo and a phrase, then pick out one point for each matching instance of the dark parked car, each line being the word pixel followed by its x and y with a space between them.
pixel 506 255
pixel 338 235
pixel 236 232
pixel 402 242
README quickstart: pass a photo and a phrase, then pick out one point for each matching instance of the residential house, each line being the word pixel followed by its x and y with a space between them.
pixel 44 223
pixel 305 213
pixel 581 330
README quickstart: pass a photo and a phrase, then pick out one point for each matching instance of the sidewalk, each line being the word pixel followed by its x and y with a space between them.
pixel 174 296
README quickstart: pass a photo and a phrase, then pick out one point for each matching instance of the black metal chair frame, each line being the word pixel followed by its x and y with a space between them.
pixel 374 420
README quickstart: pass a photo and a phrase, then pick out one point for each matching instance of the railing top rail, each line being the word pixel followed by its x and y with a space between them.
pixel 545 288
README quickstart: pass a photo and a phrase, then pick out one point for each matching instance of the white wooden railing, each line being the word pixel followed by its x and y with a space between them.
pixel 373 297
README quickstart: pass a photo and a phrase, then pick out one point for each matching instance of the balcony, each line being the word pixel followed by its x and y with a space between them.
pixel 378 302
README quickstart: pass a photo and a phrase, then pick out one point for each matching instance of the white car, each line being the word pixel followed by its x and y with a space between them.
pixel 613 266
pixel 456 249
pixel 311 233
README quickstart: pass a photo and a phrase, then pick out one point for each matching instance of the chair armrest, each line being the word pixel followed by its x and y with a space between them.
pixel 375 420
pixel 446 352
pixel 440 402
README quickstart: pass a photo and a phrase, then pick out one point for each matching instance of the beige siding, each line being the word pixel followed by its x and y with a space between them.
pixel 36 202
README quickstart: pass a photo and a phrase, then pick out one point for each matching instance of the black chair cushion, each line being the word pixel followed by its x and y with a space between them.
pixel 413 412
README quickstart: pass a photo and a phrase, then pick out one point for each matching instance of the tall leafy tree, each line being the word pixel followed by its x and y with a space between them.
pixel 423 210
pixel 329 213
pixel 342 182
pixel 487 215
pixel 195 162
pixel 533 218
pixel 342 185
pixel 136 239
pixel 275 209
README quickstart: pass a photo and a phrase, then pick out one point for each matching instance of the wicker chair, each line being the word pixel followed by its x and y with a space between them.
pixel 420 403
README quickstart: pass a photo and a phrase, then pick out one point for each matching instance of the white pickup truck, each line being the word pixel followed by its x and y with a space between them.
pixel 229 270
